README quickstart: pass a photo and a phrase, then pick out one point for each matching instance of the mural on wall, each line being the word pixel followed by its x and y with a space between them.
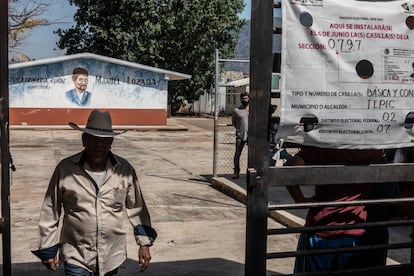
pixel 86 83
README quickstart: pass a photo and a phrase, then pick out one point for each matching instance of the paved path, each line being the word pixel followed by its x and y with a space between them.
pixel 201 230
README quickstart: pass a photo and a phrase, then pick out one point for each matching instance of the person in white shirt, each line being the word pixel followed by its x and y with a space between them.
pixel 91 190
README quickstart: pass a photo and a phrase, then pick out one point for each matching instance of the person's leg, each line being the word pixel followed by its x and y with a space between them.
pixel 74 270
pixel 237 153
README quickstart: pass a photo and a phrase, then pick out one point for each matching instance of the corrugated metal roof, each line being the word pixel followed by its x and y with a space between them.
pixel 170 74
pixel 238 83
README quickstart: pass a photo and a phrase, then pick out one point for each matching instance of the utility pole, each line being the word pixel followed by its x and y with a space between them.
pixel 4 137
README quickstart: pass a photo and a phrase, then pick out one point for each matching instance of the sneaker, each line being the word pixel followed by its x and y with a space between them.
pixel 235 175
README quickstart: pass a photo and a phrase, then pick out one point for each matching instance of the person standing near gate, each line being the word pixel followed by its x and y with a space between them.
pixel 340 215
pixel 95 189
pixel 240 120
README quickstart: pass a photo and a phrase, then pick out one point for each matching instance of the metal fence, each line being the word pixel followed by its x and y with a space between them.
pixel 226 146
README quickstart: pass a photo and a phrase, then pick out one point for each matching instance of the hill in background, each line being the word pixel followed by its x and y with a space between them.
pixel 243 47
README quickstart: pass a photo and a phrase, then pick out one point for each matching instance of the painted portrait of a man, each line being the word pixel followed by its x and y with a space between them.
pixel 79 96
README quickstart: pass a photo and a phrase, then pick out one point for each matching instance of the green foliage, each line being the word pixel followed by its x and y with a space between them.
pixel 178 35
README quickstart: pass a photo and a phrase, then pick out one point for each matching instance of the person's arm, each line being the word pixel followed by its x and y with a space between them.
pixel 297 195
pixel 138 214
pixel 49 223
pixel 139 217
pixel 295 191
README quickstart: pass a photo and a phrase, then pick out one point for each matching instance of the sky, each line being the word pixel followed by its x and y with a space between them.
pixel 41 43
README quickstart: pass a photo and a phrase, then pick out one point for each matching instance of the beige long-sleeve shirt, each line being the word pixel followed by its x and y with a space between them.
pixel 93 217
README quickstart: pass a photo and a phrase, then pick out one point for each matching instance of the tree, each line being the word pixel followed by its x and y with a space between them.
pixel 177 35
pixel 24 16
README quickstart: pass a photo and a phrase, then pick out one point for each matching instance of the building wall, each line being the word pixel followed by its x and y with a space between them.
pixel 38 94
pixel 62 116
pixel 205 103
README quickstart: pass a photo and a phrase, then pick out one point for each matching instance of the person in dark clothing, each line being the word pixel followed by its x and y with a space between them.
pixel 323 216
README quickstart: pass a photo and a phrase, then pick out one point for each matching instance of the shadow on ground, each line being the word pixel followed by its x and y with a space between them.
pixel 201 267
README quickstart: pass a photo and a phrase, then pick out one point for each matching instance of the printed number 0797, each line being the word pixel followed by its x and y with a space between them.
pixel 344 44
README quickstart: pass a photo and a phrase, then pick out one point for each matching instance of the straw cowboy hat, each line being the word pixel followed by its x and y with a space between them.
pixel 99 124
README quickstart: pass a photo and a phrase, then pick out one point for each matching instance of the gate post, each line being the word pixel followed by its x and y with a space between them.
pixel 216 107
pixel 4 138
pixel 261 63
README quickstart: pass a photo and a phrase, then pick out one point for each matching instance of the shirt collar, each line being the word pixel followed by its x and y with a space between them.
pixel 80 158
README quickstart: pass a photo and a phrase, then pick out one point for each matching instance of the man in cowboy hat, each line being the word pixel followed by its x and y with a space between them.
pixel 93 187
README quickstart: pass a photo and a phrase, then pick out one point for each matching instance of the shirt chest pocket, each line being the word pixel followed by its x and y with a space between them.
pixel 119 194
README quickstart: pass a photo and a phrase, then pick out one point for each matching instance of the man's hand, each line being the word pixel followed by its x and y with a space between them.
pixel 52 264
pixel 144 257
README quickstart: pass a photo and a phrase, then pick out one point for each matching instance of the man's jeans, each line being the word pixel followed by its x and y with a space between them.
pixel 239 148
pixel 74 270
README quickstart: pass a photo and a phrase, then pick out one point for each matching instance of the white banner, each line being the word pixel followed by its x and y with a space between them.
pixel 348 73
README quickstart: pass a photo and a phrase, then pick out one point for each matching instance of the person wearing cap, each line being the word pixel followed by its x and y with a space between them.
pixel 91 190
pixel 79 96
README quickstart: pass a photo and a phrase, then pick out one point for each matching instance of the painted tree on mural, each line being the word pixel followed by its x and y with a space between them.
pixel 24 16
pixel 176 35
